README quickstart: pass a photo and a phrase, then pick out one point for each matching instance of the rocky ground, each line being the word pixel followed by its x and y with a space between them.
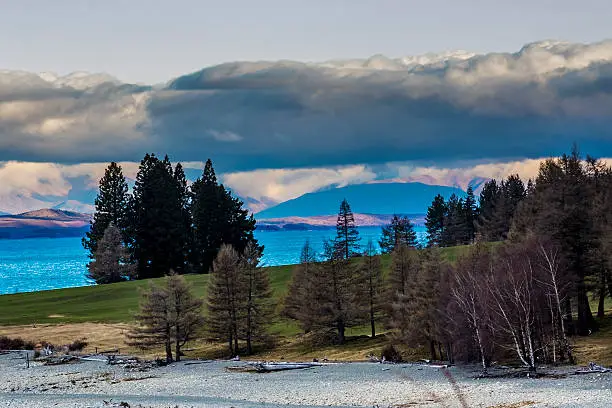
pixel 210 384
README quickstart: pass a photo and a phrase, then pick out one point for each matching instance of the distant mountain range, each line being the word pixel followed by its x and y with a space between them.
pixel 46 223
pixel 377 198
pixel 329 221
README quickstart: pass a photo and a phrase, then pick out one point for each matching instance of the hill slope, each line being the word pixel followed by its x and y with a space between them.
pixel 45 223
pixel 376 198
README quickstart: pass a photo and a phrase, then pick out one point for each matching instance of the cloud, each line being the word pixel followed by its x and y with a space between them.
pixel 440 110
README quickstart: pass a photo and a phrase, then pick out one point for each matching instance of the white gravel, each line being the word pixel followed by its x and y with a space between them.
pixel 90 384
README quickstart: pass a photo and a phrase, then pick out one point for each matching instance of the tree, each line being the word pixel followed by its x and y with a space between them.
pixel 169 315
pixel 399 232
pixel 112 206
pixel 301 302
pixel 339 285
pixel 434 221
pixel 456 231
pixel 259 307
pixel 218 218
pixel 185 311
pixel 186 238
pixel 470 211
pixel 404 267
pixel 111 261
pixel 372 277
pixel 347 236
pixel 417 315
pixel 225 300
pixel 158 220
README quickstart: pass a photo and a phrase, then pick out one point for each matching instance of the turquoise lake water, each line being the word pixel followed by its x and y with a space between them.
pixel 28 265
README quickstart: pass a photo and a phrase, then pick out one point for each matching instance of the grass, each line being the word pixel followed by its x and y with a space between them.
pixel 103 313
pixel 116 303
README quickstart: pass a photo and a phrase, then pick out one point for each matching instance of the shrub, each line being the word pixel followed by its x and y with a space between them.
pixel 18 343
pixel 77 345
pixel 391 354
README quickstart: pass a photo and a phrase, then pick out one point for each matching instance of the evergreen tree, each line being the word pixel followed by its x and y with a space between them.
pixel 373 279
pixel 470 211
pixel 259 307
pixel 434 221
pixel 341 302
pixel 186 237
pixel 218 218
pixel 111 261
pixel 399 232
pixel 112 206
pixel 301 302
pixel 347 236
pixel 225 301
pixel 158 220
pixel 456 231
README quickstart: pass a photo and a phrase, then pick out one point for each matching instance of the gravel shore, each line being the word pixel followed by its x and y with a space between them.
pixel 96 384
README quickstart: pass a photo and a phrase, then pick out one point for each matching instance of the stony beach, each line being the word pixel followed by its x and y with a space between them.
pixel 210 384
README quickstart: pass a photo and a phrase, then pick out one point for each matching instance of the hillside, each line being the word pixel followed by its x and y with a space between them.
pixel 45 223
pixel 376 198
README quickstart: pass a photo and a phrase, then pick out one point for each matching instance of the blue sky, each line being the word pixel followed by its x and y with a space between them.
pixel 153 41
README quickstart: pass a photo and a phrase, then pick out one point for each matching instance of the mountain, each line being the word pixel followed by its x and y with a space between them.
pixel 45 223
pixel 329 221
pixel 377 198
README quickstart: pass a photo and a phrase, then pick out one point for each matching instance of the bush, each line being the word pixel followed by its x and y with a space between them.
pixel 391 354
pixel 77 345
pixel 7 343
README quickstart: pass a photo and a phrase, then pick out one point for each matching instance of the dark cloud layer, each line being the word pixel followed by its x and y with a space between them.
pixel 532 103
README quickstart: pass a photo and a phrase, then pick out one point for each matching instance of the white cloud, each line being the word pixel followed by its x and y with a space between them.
pixel 225 136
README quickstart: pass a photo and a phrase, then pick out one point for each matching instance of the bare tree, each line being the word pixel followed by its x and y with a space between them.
pixel 469 295
pixel 169 315
pixel 225 301
pixel 185 312
pixel 259 308
pixel 301 302
pixel 372 271
pixel 153 322
pixel 111 261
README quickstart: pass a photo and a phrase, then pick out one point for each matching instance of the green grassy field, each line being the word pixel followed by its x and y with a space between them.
pixel 117 302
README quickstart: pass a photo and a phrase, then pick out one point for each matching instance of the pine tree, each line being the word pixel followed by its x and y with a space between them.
pixel 347 236
pixel 158 223
pixel 371 269
pixel 399 232
pixel 434 221
pixel 186 236
pixel 218 218
pixel 259 308
pixel 470 211
pixel 455 227
pixel 225 298
pixel 111 261
pixel 301 302
pixel 112 206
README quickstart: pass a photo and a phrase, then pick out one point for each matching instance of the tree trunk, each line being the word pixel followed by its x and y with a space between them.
pixel 586 323
pixel 372 323
pixel 341 330
pixel 601 310
pixel 432 349
pixel 177 350
pixel 168 351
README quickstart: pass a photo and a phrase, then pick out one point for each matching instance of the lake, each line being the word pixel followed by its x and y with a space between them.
pixel 28 265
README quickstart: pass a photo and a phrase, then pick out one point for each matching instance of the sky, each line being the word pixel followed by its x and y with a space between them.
pixel 289 97
pixel 152 41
